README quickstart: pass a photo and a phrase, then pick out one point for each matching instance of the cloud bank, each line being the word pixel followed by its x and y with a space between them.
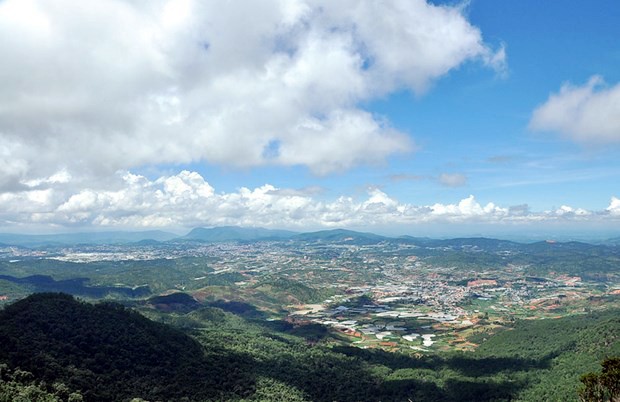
pixel 186 200
pixel 93 88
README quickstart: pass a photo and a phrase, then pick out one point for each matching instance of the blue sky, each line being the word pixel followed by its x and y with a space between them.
pixel 475 122
pixel 485 117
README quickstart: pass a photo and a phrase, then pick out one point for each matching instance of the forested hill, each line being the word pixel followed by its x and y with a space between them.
pixel 105 351
pixel 56 349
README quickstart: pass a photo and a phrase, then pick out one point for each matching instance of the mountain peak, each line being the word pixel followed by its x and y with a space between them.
pixel 236 233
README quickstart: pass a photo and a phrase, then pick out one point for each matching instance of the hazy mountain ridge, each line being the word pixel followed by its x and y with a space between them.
pixel 238 233
pixel 341 235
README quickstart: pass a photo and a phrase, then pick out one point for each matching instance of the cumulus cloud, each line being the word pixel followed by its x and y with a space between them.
pixel 187 200
pixel 469 209
pixel 587 114
pixel 94 88
pixel 566 210
pixel 614 206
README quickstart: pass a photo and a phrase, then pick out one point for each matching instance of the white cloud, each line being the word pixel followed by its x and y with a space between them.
pixel 614 206
pixel 94 88
pixel 469 208
pixel 186 200
pixel 586 114
pixel 60 177
pixel 566 210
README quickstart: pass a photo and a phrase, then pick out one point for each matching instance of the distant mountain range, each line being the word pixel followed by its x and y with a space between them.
pixel 341 235
pixel 613 241
pixel 235 233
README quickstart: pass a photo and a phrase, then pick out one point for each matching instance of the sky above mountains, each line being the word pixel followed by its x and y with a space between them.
pixel 400 117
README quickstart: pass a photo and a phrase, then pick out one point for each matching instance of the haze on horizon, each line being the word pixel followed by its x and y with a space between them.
pixel 415 117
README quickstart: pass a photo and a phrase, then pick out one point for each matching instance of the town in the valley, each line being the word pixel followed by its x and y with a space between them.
pixel 395 295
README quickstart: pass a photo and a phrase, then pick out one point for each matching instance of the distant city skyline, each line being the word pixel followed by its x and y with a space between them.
pixel 439 118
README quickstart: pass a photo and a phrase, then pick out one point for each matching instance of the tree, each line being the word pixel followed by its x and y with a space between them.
pixel 604 386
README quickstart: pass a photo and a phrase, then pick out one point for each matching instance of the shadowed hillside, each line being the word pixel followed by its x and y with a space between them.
pixel 105 351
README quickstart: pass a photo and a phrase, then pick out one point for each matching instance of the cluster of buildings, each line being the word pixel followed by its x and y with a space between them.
pixel 413 297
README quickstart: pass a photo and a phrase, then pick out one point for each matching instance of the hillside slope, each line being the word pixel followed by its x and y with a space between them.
pixel 109 353
pixel 105 351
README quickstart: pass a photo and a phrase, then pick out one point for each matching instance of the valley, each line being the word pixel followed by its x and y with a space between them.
pixel 399 294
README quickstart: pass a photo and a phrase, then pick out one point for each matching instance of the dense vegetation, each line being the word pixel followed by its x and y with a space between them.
pixel 21 386
pixel 105 351
pixel 57 349
pixel 565 348
pixel 603 386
